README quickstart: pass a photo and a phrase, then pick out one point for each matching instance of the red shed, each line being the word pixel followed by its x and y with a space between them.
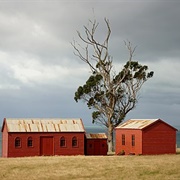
pixel 39 137
pixel 152 136
pixel 96 144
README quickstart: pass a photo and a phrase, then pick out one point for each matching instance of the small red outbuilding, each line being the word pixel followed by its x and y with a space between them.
pixel 39 137
pixel 96 144
pixel 149 136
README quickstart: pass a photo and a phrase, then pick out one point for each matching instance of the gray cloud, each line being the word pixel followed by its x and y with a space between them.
pixel 39 73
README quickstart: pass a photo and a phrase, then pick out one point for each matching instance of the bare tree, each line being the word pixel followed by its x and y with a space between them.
pixel 111 95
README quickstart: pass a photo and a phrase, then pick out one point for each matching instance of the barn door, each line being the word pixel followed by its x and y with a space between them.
pixel 46 146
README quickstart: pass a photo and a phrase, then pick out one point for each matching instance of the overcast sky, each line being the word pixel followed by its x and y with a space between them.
pixel 39 72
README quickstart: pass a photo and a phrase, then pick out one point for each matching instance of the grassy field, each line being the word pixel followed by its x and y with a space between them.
pixel 160 167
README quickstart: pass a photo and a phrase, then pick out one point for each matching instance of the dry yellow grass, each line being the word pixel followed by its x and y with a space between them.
pixel 91 167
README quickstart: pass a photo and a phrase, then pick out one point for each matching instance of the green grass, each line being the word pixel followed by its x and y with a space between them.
pixel 91 167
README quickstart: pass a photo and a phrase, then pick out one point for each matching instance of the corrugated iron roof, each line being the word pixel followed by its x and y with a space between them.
pixel 136 123
pixel 96 136
pixel 44 125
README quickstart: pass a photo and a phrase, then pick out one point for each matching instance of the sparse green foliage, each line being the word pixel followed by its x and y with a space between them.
pixel 110 95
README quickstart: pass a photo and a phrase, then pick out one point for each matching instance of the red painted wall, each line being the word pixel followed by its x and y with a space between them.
pixel 24 150
pixel 4 141
pixel 159 139
pixel 96 147
pixel 128 148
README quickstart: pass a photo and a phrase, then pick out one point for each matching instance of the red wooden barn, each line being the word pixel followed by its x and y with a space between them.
pixel 96 144
pixel 152 136
pixel 39 137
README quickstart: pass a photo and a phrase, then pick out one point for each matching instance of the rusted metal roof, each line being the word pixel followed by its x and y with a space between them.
pixel 44 125
pixel 96 136
pixel 136 123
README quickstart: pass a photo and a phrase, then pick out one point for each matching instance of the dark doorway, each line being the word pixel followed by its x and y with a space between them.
pixel 46 146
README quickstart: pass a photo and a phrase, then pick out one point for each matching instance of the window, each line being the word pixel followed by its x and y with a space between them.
pixel 74 142
pixel 30 142
pixel 17 142
pixel 133 140
pixel 62 142
pixel 123 139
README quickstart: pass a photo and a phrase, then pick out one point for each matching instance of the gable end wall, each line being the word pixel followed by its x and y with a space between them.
pixel 159 138
pixel 4 140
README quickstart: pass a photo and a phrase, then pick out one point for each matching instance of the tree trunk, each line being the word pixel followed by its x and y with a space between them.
pixel 110 140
